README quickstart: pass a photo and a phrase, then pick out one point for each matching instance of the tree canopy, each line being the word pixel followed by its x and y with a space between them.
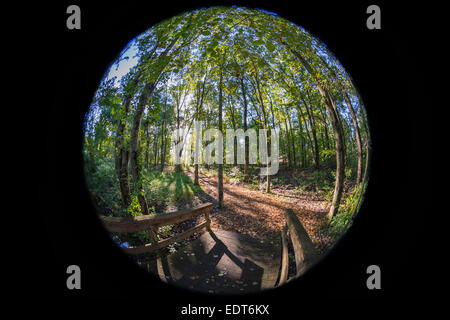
pixel 229 68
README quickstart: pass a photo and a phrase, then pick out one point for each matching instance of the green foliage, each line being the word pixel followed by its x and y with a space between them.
pixel 102 183
pixel 348 173
pixel 168 187
pixel 329 192
pixel 342 220
pixel 316 180
pixel 211 171
pixel 235 175
pixel 253 54
pixel 338 225
pixel 319 179
pixel 166 229
pixel 328 156
pixel 134 209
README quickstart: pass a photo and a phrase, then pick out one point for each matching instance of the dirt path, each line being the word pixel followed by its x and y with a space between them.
pixel 261 215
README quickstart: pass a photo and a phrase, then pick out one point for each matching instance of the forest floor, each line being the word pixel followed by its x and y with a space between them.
pixel 258 214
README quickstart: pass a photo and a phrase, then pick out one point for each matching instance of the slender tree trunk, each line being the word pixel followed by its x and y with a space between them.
pixel 164 153
pixel 291 132
pixel 233 123
pixel 220 165
pixel 134 139
pixel 357 136
pixel 196 174
pixel 354 121
pixel 163 133
pixel 338 135
pixel 325 125
pixel 300 111
pixel 312 123
pixel 196 139
pixel 122 154
pixel 148 146
pixel 155 148
pixel 135 166
pixel 163 146
pixel 196 156
pixel 123 178
pixel 178 165
pixel 263 111
pixel 288 147
pixel 200 106
pixel 247 156
pixel 366 167
pixel 122 157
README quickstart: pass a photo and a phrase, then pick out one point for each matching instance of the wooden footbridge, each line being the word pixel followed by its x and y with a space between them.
pixel 219 261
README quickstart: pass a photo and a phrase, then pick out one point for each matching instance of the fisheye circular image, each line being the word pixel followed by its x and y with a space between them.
pixel 226 150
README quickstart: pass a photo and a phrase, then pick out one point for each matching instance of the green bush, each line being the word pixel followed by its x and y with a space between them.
pixel 328 156
pixel 168 187
pixel 235 175
pixel 103 185
pixel 342 220
pixel 319 179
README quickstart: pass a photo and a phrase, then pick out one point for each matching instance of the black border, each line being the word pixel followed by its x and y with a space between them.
pixel 385 66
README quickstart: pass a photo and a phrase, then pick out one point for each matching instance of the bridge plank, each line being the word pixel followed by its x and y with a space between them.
pixel 224 262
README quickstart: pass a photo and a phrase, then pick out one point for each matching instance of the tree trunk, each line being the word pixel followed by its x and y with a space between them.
pixel 338 136
pixel 288 147
pixel 366 168
pixel 220 165
pixel 155 148
pixel 312 123
pixel 300 111
pixel 325 124
pixel 247 156
pixel 291 132
pixel 135 166
pixel 233 123
pixel 122 157
pixel 354 121
pixel 148 145
pixel 123 178
pixel 163 146
pixel 163 138
pixel 134 140
pixel 178 165
pixel 357 136
pixel 199 107
pixel 263 111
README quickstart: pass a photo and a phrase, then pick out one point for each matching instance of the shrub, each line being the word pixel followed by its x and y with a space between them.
pixel 102 182
pixel 235 175
pixel 328 156
pixel 342 220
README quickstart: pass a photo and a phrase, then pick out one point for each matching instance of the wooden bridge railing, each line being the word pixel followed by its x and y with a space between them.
pixel 151 223
pixel 305 253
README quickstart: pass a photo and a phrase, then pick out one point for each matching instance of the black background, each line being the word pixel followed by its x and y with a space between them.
pixel 386 66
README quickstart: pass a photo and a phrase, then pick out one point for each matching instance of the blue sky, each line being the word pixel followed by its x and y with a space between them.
pixel 123 67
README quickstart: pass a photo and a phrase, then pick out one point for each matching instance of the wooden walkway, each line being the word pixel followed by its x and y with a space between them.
pixel 218 261
pixel 221 262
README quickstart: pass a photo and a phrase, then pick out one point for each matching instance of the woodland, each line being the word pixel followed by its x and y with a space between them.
pixel 233 68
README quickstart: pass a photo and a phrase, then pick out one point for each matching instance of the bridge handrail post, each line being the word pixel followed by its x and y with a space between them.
pixel 208 221
pixel 304 250
pixel 284 257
